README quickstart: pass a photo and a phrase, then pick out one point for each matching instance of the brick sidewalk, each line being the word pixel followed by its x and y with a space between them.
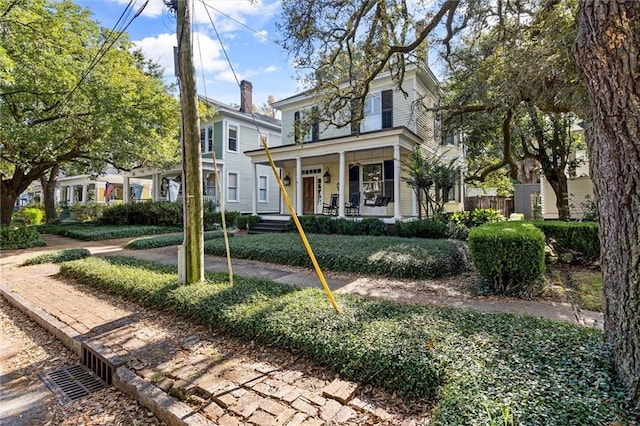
pixel 221 387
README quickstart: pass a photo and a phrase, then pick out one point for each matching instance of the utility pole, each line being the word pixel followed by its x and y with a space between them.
pixel 192 185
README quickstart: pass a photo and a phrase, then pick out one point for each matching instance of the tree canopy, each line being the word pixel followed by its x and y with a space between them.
pixel 72 92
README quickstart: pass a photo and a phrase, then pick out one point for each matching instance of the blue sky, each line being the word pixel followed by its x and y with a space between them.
pixel 246 28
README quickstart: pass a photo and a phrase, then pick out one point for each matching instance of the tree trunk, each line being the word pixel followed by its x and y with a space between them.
pixel 559 185
pixel 49 191
pixel 607 53
pixel 8 199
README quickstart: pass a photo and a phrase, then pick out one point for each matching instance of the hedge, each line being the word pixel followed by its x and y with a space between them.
pixel 58 256
pixel 425 228
pixel 378 256
pixel 509 255
pixel 468 365
pixel 578 237
pixel 328 225
pixel 96 232
pixel 167 240
pixel 18 236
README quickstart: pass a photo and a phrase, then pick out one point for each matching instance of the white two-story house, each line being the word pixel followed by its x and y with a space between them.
pixel 246 187
pixel 362 164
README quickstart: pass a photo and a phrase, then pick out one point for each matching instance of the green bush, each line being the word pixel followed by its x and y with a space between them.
pixel 58 256
pixel 468 365
pixel 580 239
pixel 95 231
pixel 476 217
pixel 167 240
pixel 341 226
pixel 425 228
pixel 377 256
pixel 159 213
pixel 30 215
pixel 509 255
pixel 246 222
pixel 19 236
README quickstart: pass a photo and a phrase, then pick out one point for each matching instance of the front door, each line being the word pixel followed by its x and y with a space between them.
pixel 308 201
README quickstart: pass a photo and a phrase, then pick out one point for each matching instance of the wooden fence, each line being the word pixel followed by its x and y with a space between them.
pixel 502 204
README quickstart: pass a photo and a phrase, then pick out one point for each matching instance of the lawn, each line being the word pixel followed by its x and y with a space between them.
pixel 471 366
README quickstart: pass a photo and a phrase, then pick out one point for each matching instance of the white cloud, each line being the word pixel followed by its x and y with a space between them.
pixel 271 68
pixel 153 9
pixel 227 76
pixel 262 36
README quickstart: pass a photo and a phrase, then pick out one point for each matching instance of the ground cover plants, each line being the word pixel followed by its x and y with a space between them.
pixel 58 256
pixel 167 240
pixel 472 366
pixel 378 256
pixel 19 236
pixel 96 232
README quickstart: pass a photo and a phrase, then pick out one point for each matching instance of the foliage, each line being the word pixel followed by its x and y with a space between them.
pixel 579 239
pixel 341 226
pixel 425 228
pixel 19 236
pixel 493 247
pixel 30 215
pixel 103 102
pixel 468 364
pixel 58 256
pixel 88 211
pixel 149 213
pixel 247 221
pixel 96 232
pixel 431 178
pixel 476 217
pixel 377 256
pixel 167 240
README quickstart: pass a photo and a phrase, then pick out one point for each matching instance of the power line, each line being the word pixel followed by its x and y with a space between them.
pixel 260 34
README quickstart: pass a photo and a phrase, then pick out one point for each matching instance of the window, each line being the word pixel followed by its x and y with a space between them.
pixel 372 113
pixel 262 189
pixel 372 182
pixel 232 187
pixel 304 129
pixel 209 139
pixel 206 139
pixel 232 138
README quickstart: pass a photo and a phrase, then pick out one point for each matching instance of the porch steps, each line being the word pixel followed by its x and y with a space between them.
pixel 269 226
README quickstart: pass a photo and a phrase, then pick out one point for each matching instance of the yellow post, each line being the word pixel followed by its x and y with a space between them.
pixel 327 290
pixel 224 221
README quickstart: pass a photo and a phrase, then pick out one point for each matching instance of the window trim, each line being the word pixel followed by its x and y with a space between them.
pixel 237 187
pixel 227 128
pixel 266 189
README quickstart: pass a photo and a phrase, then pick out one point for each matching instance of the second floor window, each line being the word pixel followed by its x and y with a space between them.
pixel 305 125
pixel 232 138
pixel 378 111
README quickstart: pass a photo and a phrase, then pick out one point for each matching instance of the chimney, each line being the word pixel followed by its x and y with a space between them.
pixel 246 96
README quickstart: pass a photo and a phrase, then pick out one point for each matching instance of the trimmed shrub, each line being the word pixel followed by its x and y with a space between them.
pixel 425 228
pixel 377 256
pixel 159 213
pixel 19 236
pixel 572 241
pixel 95 232
pixel 327 225
pixel 509 255
pixel 30 215
pixel 167 240
pixel 58 256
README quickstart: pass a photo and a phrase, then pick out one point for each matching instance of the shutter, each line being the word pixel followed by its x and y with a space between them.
pixel 387 109
pixel 388 179
pixel 315 126
pixel 354 179
pixel 296 127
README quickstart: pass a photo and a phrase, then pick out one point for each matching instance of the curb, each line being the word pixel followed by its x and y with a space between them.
pixel 164 406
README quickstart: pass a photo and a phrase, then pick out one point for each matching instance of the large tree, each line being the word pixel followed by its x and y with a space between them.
pixel 608 55
pixel 345 44
pixel 72 92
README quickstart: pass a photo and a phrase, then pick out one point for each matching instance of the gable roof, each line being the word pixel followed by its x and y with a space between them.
pixel 234 111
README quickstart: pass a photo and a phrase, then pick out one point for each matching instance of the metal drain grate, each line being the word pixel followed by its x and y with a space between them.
pixel 72 382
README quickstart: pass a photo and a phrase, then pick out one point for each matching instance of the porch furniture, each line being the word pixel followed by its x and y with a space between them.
pixel 380 201
pixel 331 208
pixel 352 208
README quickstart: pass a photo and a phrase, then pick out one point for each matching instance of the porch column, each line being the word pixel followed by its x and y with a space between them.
pixel 299 186
pixel 85 192
pixel 70 194
pixel 155 183
pixel 342 183
pixel 254 195
pixel 396 182
pixel 125 190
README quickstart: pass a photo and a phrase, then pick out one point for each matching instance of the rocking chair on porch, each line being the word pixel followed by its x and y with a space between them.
pixel 352 208
pixel 331 208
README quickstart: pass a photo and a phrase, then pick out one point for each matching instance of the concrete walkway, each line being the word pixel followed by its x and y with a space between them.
pixel 161 368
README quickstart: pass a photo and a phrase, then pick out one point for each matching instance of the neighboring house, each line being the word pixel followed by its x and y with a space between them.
pixel 82 189
pixel 246 187
pixel 367 161
pixel 579 187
